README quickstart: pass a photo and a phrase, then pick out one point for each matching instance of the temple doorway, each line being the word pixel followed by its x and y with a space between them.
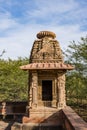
pixel 47 90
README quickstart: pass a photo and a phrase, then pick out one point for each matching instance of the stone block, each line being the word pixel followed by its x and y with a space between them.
pixel 30 126
pixel 16 126
pixel 41 126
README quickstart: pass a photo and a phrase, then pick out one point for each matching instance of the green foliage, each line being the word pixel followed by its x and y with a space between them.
pixel 76 85
pixel 13 81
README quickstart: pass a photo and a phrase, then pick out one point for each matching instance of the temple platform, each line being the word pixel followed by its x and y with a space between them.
pixel 42 112
pixel 64 119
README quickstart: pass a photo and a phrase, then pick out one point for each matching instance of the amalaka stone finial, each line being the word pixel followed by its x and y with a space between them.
pixel 43 34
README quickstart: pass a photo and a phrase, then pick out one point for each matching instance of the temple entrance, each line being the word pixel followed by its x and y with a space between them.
pixel 46 90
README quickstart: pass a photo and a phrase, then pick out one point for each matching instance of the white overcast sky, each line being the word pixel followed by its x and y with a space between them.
pixel 21 20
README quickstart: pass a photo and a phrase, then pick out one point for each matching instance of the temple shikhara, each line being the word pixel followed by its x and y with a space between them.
pixel 46 74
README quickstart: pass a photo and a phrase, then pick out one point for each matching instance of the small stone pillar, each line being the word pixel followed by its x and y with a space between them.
pixel 34 89
pixel 61 102
pixel 4 109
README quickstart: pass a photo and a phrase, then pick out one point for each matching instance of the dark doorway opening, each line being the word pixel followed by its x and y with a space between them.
pixel 47 90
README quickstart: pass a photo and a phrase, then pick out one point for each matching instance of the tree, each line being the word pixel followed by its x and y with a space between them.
pixel 13 81
pixel 77 79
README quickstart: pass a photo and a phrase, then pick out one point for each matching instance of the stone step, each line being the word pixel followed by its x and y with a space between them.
pixel 42 112
pixel 52 118
pixel 42 127
pixel 36 126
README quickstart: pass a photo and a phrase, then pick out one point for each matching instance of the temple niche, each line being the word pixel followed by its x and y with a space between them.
pixel 46 74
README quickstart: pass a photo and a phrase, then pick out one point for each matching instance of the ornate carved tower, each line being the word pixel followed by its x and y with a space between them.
pixel 46 73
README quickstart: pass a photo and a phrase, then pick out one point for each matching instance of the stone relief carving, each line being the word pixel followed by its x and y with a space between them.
pixel 46 49
pixel 61 89
pixel 61 80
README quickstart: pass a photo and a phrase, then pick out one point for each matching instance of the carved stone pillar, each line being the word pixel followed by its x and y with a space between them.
pixel 61 90
pixel 30 91
pixel 34 89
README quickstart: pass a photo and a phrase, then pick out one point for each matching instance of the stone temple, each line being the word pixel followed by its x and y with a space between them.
pixel 47 109
pixel 46 74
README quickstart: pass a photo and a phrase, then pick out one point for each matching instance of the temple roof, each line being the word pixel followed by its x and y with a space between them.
pixel 47 66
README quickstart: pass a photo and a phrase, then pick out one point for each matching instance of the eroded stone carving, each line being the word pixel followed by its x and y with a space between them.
pixel 46 49
pixel 61 89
